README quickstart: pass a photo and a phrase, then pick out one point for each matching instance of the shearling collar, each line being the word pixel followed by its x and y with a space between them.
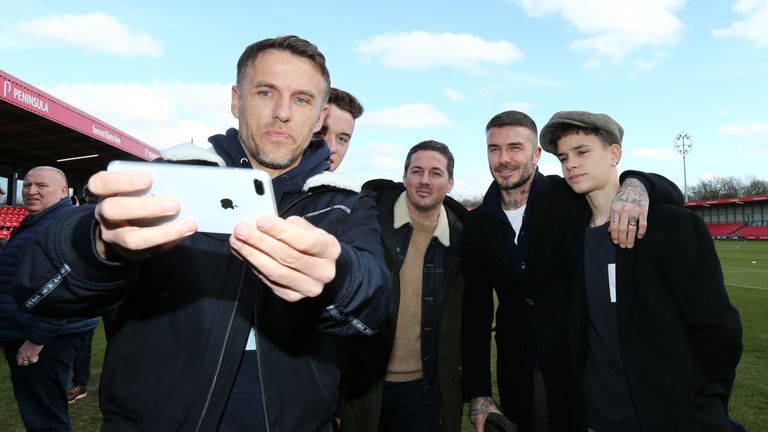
pixel 402 217
pixel 328 178
pixel 191 152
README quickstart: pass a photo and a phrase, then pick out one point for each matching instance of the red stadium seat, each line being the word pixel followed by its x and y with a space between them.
pixel 757 232
pixel 724 229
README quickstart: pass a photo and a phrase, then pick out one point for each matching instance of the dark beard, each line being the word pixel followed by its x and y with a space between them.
pixel 521 182
pixel 274 165
pixel 271 165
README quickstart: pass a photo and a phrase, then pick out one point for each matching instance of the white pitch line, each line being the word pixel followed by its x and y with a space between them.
pixel 747 286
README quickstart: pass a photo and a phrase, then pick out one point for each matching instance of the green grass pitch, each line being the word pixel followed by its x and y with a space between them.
pixel 745 267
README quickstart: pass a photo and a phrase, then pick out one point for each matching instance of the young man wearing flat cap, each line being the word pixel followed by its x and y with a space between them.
pixel 657 339
pixel 511 246
pixel 517 287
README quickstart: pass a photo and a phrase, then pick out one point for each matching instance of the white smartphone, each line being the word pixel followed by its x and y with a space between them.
pixel 216 198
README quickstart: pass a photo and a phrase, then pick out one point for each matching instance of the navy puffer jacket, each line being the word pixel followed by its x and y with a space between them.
pixel 16 325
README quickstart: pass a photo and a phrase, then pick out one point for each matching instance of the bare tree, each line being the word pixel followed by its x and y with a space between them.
pixel 754 186
pixel 705 189
pixel 730 187
pixel 727 187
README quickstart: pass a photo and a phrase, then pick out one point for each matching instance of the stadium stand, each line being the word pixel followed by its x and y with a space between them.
pixel 753 233
pixel 724 229
pixel 744 218
pixel 39 129
pixel 10 217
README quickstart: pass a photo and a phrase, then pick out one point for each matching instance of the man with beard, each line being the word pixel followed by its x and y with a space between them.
pixel 514 244
pixel 220 332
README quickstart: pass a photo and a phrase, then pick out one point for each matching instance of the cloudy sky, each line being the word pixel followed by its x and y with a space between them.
pixel 162 71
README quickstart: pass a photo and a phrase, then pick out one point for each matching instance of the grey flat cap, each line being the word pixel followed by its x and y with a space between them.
pixel 612 129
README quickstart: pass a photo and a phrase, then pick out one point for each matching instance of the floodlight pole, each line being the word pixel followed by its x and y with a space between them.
pixel 683 146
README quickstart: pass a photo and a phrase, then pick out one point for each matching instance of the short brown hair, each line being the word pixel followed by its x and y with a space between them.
pixel 346 102
pixel 431 145
pixel 562 130
pixel 292 44
pixel 513 118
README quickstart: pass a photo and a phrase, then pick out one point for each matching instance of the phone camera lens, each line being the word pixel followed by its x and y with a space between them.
pixel 259 186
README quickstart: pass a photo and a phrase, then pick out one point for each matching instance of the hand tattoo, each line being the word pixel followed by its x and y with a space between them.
pixel 632 192
pixel 479 406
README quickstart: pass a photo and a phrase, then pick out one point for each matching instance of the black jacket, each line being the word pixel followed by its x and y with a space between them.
pixel 442 291
pixel 680 337
pixel 17 326
pixel 184 315
pixel 534 290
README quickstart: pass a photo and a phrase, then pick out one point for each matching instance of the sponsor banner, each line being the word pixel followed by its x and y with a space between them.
pixel 23 95
pixel 739 200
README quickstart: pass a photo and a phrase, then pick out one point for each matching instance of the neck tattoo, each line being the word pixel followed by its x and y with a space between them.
pixel 514 203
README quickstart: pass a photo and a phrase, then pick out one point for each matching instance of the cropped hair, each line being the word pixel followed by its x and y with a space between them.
pixel 513 118
pixel 346 102
pixel 292 44
pixel 431 145
pixel 562 130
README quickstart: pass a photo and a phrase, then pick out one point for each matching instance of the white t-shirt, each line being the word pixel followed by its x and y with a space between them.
pixel 516 219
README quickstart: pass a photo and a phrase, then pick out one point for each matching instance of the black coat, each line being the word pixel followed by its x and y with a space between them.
pixel 17 326
pixel 441 322
pixel 680 337
pixel 184 315
pixel 534 288
pixel 533 302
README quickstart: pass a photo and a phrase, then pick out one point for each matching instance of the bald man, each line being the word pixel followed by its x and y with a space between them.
pixel 39 351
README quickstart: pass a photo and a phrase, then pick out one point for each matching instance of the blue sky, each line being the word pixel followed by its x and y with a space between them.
pixel 161 71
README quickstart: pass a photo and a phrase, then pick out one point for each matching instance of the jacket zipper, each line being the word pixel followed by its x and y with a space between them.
pixel 256 335
pixel 256 338
pixel 261 377
pixel 221 353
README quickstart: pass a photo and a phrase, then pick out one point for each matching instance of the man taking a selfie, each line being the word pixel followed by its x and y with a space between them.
pixel 225 332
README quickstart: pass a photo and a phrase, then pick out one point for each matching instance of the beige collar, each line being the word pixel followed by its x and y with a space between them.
pixel 402 217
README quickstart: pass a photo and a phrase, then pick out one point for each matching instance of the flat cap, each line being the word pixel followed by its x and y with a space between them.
pixel 608 126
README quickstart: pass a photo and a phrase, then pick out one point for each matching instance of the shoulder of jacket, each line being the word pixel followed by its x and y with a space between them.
pixel 453 206
pixel 331 180
pixel 190 153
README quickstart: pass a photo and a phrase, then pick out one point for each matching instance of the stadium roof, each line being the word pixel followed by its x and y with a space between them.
pixel 739 200
pixel 38 129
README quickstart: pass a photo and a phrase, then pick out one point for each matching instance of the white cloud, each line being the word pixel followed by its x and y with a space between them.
pixel 615 28
pixel 369 160
pixel 387 163
pixel 650 62
pixel 420 50
pixel 659 154
pixel 408 116
pixel 757 132
pixel 94 32
pixel 471 183
pixel 753 26
pixel 161 114
pixel 454 95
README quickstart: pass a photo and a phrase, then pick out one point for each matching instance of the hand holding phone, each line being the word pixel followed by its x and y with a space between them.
pixel 123 228
pixel 216 198
pixel 135 223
